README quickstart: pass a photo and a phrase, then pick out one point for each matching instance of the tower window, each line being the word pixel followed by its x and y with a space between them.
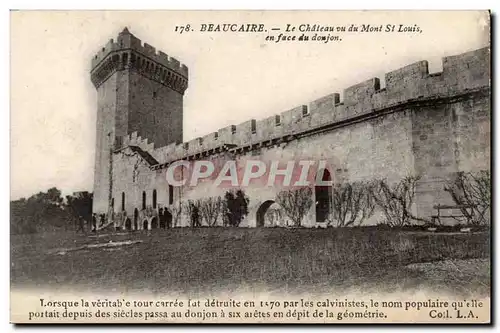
pixel 155 94
pixel 154 198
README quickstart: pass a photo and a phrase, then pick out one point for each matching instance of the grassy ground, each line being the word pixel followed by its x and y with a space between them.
pixel 211 259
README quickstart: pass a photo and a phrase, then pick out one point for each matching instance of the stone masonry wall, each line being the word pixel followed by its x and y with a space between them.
pixel 424 124
pixel 413 82
pixel 106 101
pixel 155 111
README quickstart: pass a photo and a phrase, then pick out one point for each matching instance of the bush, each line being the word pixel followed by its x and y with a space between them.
pixel 235 207
pixel 472 192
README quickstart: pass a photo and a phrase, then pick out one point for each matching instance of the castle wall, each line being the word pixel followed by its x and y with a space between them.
pixel 426 141
pixel 419 124
pixel 411 83
pixel 448 139
pixel 379 148
pixel 473 127
pixel 435 157
pixel 133 177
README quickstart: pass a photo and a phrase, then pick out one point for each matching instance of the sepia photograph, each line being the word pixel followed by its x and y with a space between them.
pixel 250 167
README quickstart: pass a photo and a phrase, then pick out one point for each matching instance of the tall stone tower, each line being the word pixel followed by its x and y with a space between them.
pixel 138 90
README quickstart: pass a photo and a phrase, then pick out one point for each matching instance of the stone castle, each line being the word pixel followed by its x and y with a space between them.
pixel 428 124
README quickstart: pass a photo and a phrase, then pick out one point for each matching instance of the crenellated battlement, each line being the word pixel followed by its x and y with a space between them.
pixel 126 40
pixel 134 139
pixel 129 52
pixel 461 74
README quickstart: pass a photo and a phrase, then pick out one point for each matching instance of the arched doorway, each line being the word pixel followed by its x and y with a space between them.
pixel 136 219
pixel 154 223
pixel 128 224
pixel 145 225
pixel 323 195
pixel 261 212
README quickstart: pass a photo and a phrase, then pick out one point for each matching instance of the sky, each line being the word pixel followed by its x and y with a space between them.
pixel 233 77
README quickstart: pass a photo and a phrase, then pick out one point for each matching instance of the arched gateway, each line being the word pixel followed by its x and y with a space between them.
pixel 261 212
pixel 323 194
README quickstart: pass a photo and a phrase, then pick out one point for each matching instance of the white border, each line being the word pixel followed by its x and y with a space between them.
pixel 189 4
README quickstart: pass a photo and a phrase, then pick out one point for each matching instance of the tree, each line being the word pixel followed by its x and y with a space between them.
pixel 472 193
pixel 352 203
pixel 210 209
pixel 80 204
pixel 53 196
pixel 20 222
pixel 43 211
pixel 235 207
pixel 192 209
pixel 295 203
pixel 396 200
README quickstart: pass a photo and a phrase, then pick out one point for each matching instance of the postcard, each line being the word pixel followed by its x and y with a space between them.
pixel 289 167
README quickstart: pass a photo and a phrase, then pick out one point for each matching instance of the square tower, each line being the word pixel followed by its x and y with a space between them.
pixel 138 90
